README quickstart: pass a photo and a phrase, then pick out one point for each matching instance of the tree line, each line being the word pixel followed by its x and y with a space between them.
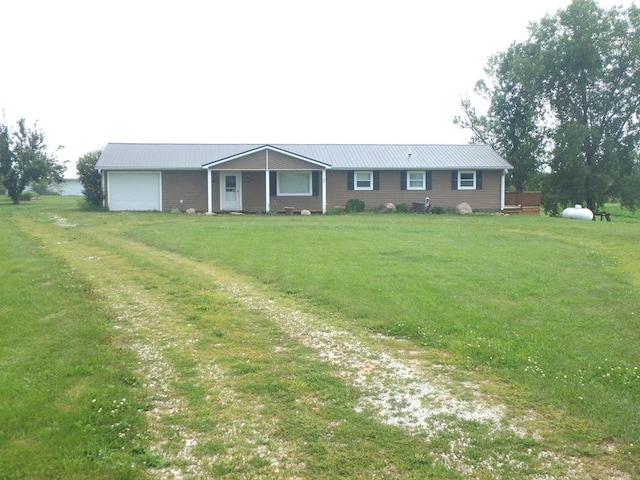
pixel 564 107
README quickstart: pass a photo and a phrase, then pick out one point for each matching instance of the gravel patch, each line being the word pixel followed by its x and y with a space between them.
pixel 416 396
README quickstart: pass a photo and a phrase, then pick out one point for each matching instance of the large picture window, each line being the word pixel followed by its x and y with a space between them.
pixel 294 183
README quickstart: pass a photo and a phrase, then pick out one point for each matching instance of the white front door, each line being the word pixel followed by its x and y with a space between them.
pixel 231 191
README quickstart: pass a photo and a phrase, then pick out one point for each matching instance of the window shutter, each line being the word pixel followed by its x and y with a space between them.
pixel 403 179
pixel 273 185
pixel 454 179
pixel 427 176
pixel 376 180
pixel 350 176
pixel 315 180
pixel 478 179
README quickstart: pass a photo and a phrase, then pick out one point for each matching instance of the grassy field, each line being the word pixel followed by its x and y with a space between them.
pixel 541 312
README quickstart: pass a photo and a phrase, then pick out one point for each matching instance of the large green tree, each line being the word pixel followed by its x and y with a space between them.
pixel 24 158
pixel 511 124
pixel 90 178
pixel 576 81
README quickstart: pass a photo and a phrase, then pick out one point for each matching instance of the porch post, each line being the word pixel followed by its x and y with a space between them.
pixel 267 195
pixel 209 193
pixel 324 190
pixel 502 188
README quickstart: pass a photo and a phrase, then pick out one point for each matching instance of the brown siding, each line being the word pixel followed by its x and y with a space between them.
pixel 188 186
pixel 279 161
pixel 441 193
pixel 191 188
pixel 253 192
pixel 258 161
pixel 253 161
pixel 215 191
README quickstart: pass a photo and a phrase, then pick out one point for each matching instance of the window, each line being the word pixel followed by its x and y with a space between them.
pixel 363 181
pixel 416 180
pixel 467 180
pixel 294 183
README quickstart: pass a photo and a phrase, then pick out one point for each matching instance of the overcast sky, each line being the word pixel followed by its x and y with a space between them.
pixel 252 71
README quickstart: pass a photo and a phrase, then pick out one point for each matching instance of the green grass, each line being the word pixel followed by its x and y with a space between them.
pixel 547 304
pixel 68 406
pixel 543 310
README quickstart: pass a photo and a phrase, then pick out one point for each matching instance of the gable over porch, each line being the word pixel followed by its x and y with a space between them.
pixel 265 179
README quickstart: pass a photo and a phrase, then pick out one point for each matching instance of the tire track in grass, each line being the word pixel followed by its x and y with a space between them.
pixel 154 331
pixel 397 386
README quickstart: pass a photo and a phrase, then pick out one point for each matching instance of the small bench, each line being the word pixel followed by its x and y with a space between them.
pixel 602 215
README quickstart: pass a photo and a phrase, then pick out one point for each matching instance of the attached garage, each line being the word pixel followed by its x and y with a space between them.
pixel 141 191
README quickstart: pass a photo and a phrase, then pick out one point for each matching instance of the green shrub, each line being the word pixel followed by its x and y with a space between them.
pixel 437 210
pixel 26 196
pixel 90 178
pixel 402 208
pixel 354 205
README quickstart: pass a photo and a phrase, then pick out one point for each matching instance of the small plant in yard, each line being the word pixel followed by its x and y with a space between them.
pixel 402 208
pixel 437 210
pixel 354 205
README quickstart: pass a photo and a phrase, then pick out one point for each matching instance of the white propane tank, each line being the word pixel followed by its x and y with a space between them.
pixel 577 213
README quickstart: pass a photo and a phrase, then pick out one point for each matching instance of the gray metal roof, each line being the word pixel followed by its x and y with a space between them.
pixel 168 156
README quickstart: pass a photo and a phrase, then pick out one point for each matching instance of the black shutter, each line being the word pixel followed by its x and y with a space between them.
pixel 427 176
pixel 376 180
pixel 403 179
pixel 273 185
pixel 478 179
pixel 315 180
pixel 454 179
pixel 350 180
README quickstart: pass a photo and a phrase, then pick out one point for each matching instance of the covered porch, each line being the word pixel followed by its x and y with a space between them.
pixel 266 179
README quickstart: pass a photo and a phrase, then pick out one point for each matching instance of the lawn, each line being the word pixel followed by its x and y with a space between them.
pixel 68 402
pixel 542 311
pixel 547 304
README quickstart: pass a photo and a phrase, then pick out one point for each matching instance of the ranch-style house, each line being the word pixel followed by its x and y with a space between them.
pixel 315 177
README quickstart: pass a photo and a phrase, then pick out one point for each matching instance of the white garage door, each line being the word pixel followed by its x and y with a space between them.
pixel 134 191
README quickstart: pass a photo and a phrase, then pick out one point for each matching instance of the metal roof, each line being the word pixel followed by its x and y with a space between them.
pixel 171 156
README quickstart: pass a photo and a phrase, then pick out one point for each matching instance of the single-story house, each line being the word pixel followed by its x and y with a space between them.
pixel 315 177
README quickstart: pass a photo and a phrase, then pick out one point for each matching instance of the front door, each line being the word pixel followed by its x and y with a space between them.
pixel 230 191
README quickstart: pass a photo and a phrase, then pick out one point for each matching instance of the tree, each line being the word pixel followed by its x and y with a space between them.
pixel 577 83
pixel 90 178
pixel 510 125
pixel 24 159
